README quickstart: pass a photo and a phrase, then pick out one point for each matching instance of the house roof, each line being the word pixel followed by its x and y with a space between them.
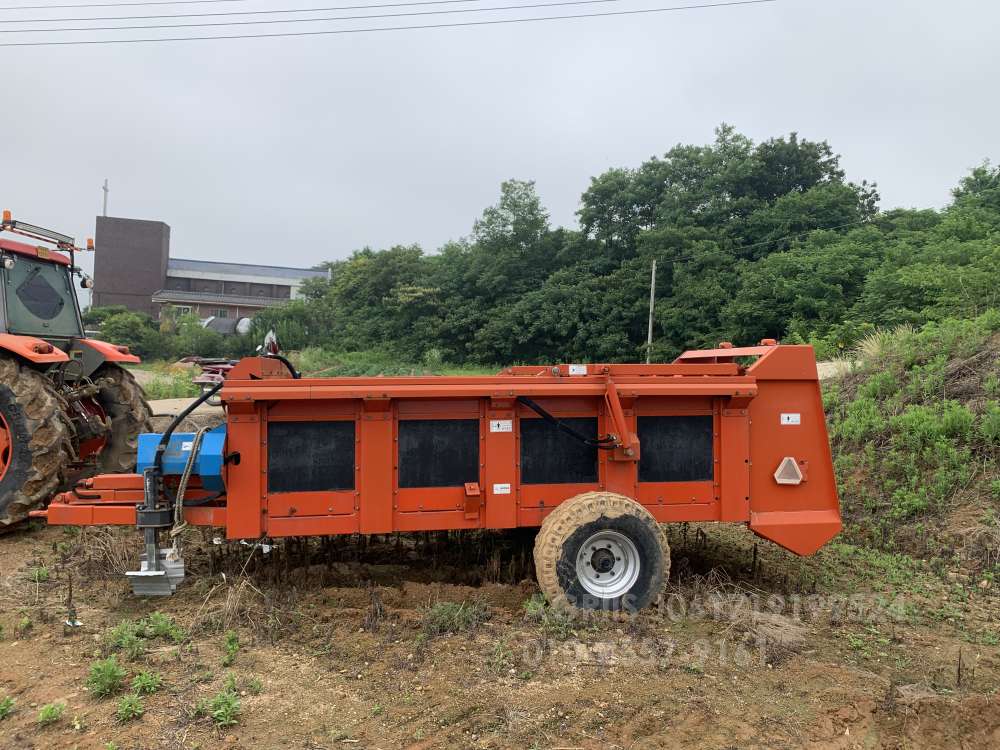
pixel 242 269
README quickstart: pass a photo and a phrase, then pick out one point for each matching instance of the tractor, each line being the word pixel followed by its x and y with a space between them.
pixel 68 408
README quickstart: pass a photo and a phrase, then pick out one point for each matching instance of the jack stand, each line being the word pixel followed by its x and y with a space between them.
pixel 160 570
pixel 160 579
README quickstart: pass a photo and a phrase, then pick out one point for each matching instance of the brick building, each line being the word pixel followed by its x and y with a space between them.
pixel 133 267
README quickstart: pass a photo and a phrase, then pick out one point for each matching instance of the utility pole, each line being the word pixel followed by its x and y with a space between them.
pixel 652 302
pixel 105 189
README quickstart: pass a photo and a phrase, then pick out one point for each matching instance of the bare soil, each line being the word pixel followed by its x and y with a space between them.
pixel 849 649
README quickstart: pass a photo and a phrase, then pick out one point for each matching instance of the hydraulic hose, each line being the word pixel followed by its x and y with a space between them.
pixel 295 373
pixel 606 443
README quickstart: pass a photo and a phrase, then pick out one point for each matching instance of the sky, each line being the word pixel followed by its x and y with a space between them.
pixel 298 150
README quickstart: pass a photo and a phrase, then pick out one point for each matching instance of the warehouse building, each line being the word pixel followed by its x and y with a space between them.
pixel 133 267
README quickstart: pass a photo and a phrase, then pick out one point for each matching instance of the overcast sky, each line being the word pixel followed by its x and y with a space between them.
pixel 299 150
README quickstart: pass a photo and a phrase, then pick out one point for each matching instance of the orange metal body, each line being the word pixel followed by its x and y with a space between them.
pixel 760 414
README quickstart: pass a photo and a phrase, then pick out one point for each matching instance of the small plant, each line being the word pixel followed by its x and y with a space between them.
pixel 126 630
pixel 130 708
pixel 39 574
pixel 111 746
pixel 6 707
pixel 146 683
pixel 106 677
pixel 554 622
pixel 232 646
pixel 223 708
pixel 160 625
pixel 451 617
pixel 133 647
pixel 129 637
pixel 255 686
pixel 24 626
pixel 50 713
pixel 501 659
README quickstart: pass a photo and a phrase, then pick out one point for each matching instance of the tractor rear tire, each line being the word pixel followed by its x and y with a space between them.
pixel 36 437
pixel 601 551
pixel 124 401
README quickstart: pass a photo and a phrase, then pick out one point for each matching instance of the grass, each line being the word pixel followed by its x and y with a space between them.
pixel 452 617
pixel 168 381
pixel 6 707
pixel 50 713
pixel 39 574
pixel 106 677
pixel 130 708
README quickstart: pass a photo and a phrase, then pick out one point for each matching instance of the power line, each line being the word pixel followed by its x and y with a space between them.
pixel 238 12
pixel 312 20
pixel 115 5
pixel 374 29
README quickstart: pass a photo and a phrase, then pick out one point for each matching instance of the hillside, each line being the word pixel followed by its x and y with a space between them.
pixel 915 429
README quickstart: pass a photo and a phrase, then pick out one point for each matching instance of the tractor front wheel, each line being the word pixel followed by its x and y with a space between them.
pixel 35 440
pixel 601 551
pixel 124 402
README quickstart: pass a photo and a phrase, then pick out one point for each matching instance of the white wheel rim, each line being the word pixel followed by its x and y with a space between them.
pixel 607 564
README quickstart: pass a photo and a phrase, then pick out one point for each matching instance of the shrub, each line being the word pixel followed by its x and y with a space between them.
pixel 50 713
pixel 106 677
pixel 130 708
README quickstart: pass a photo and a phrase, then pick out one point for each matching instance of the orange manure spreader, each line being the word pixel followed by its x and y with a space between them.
pixel 597 456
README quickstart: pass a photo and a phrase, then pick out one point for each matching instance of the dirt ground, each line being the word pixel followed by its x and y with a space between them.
pixel 352 643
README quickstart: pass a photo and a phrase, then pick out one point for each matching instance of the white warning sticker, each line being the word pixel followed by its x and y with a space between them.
pixel 578 369
pixel 793 418
pixel 501 489
pixel 501 425
pixel 187 445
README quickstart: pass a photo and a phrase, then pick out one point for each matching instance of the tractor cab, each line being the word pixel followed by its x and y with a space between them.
pixel 68 407
pixel 37 294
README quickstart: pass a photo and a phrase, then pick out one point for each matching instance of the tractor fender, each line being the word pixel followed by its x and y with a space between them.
pixel 33 349
pixel 109 352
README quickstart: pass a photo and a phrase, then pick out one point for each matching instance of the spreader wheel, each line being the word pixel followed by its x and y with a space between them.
pixel 35 440
pixel 124 402
pixel 603 551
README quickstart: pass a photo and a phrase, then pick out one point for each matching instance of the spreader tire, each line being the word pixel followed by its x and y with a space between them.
pixel 601 551
pixel 36 445
pixel 124 402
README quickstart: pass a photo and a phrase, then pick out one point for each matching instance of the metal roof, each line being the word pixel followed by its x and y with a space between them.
pixel 242 269
pixel 207 298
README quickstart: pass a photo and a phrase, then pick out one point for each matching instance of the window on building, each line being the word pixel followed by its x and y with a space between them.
pixel 221 312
